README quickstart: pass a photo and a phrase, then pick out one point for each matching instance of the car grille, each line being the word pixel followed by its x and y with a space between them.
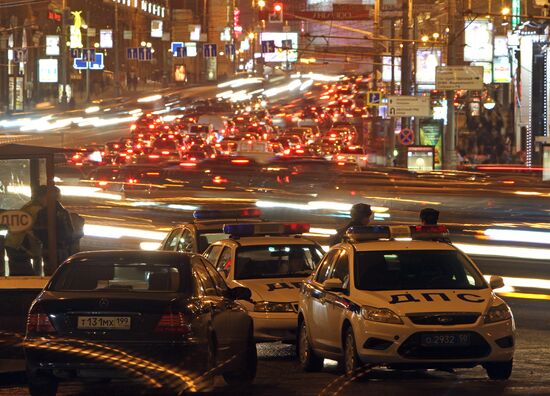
pixel 444 318
pixel 413 349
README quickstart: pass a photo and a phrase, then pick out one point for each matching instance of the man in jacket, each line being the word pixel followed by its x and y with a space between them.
pixel 360 216
pixel 64 232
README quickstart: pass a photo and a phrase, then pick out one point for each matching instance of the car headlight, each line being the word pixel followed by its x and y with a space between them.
pixel 382 315
pixel 267 306
pixel 498 313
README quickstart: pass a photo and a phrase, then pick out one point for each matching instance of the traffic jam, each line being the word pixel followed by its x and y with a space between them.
pixel 202 303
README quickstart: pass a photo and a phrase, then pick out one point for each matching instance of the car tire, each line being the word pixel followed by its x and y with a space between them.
pixel 309 360
pixel 246 372
pixel 352 362
pixel 42 385
pixel 499 370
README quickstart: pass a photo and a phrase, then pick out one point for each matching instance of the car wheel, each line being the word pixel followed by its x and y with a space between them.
pixel 42 385
pixel 499 370
pixel 307 356
pixel 246 372
pixel 351 359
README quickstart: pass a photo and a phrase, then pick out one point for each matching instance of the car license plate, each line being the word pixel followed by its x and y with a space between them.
pixel 435 340
pixel 104 322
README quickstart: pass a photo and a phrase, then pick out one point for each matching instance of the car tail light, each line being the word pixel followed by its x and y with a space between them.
pixel 219 180
pixel 173 323
pixel 154 156
pixel 188 164
pixel 240 161
pixel 151 126
pixel 132 181
pixel 103 183
pixel 39 322
pixel 133 127
pixel 165 152
pixel 340 157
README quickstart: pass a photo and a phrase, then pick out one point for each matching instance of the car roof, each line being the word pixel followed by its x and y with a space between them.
pixel 157 256
pixel 401 245
pixel 270 240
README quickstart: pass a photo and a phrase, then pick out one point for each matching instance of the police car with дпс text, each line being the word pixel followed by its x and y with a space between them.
pixel 272 259
pixel 403 302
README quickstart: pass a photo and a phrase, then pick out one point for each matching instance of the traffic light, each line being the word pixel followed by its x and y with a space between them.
pixel 276 15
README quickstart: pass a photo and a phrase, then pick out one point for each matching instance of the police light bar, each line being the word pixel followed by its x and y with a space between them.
pixel 262 229
pixel 226 214
pixel 430 232
pixel 367 233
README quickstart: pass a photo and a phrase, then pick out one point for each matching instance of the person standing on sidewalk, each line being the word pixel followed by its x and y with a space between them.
pixel 24 246
pixel 64 232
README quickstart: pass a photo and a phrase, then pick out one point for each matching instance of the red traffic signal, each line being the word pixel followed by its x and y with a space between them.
pixel 276 15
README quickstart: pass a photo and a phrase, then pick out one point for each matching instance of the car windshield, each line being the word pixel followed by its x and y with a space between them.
pixel 276 261
pixel 100 276
pixel 415 270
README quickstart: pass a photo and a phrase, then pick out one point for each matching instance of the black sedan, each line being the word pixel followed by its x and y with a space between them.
pixel 165 318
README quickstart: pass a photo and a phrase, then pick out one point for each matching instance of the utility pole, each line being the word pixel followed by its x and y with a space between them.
pixel 64 53
pixel 449 138
pixel 406 59
pixel 116 48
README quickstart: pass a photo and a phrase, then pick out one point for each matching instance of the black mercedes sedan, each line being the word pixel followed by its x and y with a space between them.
pixel 164 318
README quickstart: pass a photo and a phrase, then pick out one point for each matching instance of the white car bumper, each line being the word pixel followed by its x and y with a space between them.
pixel 277 326
pixel 403 344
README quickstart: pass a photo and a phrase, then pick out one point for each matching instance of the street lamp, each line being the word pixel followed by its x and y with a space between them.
pixel 489 103
pixel 505 11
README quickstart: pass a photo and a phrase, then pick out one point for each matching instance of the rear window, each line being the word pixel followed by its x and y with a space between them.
pixel 102 276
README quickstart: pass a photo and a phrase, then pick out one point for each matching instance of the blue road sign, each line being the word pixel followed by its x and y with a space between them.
pixel 210 50
pixel 229 49
pixel 374 98
pixel 181 52
pixel 80 64
pixel 175 45
pixel 268 46
pixel 132 53
pixel 76 53
pixel 88 54
pixel 98 63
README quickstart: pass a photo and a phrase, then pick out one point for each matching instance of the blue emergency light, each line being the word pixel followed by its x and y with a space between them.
pixel 226 214
pixel 368 233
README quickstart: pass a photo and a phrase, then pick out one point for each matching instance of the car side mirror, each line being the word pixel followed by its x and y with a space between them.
pixel 496 282
pixel 333 284
pixel 241 293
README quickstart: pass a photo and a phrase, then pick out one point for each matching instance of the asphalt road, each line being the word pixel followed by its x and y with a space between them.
pixel 280 374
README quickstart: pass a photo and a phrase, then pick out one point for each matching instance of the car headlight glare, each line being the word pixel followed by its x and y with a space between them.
pixel 498 313
pixel 381 315
pixel 267 306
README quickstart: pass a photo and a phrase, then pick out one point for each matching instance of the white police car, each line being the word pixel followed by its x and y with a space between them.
pixel 403 303
pixel 271 259
pixel 206 228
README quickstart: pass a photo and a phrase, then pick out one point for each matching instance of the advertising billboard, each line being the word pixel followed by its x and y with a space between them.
pixel 281 55
pixel 106 38
pixel 386 68
pixel 420 158
pixel 47 70
pixel 478 38
pixel 502 70
pixel 431 134
pixel 52 45
pixel 426 62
